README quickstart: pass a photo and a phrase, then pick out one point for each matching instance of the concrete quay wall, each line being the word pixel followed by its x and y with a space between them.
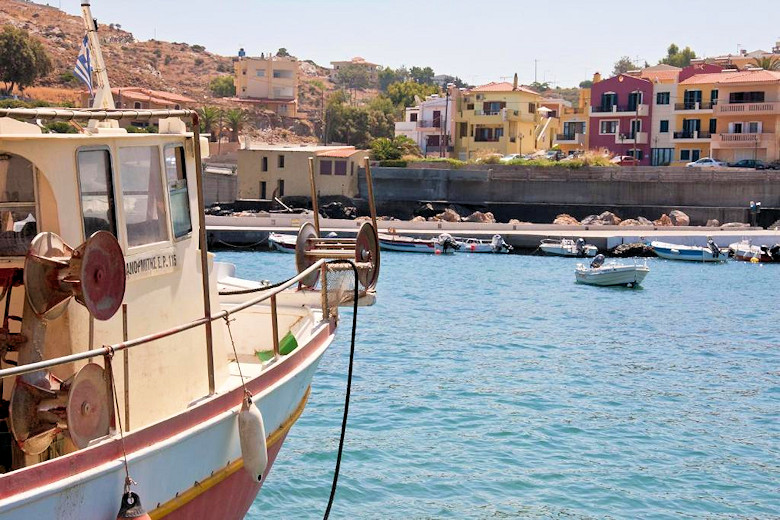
pixel 640 189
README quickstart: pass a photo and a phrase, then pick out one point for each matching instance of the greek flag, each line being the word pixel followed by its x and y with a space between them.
pixel 83 69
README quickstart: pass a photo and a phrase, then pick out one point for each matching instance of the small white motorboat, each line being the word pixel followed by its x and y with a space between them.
pixel 443 244
pixel 281 243
pixel 711 253
pixel 611 273
pixel 746 251
pixel 477 245
pixel 567 247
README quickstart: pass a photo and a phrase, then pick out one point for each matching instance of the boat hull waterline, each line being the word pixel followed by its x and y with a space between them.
pixel 688 253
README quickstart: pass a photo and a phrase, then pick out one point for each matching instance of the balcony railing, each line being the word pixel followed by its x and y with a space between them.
pixel 428 124
pixel 565 137
pixel 701 134
pixel 740 138
pixel 479 112
pixel 695 105
pixel 771 107
pixel 641 109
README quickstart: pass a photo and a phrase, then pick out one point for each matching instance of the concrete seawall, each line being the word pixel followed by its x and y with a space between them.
pixel 534 194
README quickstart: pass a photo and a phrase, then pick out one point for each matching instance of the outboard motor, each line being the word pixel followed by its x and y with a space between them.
pixel 580 246
pixel 598 261
pixel 447 242
pixel 774 252
pixel 498 244
pixel 713 247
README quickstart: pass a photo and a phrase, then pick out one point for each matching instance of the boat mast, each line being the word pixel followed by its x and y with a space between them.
pixel 103 99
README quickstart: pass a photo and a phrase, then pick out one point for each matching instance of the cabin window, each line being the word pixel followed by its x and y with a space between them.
pixel 142 194
pixel 326 167
pixel 178 193
pixel 97 192
pixel 17 205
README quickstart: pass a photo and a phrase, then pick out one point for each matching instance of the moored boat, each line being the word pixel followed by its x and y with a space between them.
pixel 567 247
pixel 477 245
pixel 162 379
pixel 611 273
pixel 711 253
pixel 282 243
pixel 746 251
pixel 442 244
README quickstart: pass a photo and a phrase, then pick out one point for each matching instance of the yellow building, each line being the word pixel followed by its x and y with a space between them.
pixel 694 120
pixel 496 118
pixel 573 134
pixel 743 60
pixel 748 116
pixel 372 69
pixel 271 83
pixel 267 171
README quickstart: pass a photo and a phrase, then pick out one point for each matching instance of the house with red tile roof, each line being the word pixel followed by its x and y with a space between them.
pixel 499 117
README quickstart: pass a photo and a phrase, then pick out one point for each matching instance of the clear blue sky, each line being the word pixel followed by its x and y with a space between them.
pixel 478 41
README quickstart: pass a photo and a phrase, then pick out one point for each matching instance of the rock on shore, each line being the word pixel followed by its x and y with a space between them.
pixel 478 216
pixel 679 218
pixel 632 249
pixel 604 219
pixel 564 219
pixel 663 221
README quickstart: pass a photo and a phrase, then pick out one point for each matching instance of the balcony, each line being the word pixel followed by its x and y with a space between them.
pixel 692 136
pixel 575 138
pixel 631 138
pixel 479 112
pixel 623 110
pixel 761 140
pixel 428 125
pixel 694 106
pixel 733 109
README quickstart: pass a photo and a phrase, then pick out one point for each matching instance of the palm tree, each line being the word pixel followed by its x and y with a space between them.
pixel 236 119
pixel 209 116
pixel 767 63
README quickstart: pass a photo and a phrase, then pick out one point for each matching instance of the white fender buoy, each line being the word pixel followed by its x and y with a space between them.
pixel 251 433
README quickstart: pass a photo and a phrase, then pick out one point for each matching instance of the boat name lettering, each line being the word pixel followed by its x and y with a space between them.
pixel 143 266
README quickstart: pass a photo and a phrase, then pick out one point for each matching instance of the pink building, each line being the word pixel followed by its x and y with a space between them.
pixel 620 116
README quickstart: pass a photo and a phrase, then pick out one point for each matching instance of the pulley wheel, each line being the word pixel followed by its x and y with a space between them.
pixel 303 262
pixel 367 250
pixel 88 411
pixel 102 275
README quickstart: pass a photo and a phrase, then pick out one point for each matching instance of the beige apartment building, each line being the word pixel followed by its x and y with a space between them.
pixel 372 69
pixel 271 83
pixel 266 171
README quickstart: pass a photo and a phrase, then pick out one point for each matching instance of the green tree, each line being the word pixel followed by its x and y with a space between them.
pixel 353 76
pixel 423 75
pixel 22 59
pixel 540 87
pixel 236 119
pixel 678 58
pixel 209 117
pixel 388 76
pixel 586 84
pixel 357 126
pixel 767 63
pixel 282 53
pixel 388 149
pixel 403 93
pixel 623 65
pixel 222 86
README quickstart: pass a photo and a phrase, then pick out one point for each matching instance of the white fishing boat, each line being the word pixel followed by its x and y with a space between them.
pixel 161 381
pixel 711 253
pixel 442 244
pixel 567 247
pixel 611 273
pixel 282 243
pixel 746 251
pixel 477 245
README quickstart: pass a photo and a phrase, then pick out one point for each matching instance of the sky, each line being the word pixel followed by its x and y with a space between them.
pixel 561 43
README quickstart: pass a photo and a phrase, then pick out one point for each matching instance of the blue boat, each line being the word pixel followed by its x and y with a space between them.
pixel 711 253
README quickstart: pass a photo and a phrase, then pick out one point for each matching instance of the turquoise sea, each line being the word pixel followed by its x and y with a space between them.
pixel 495 387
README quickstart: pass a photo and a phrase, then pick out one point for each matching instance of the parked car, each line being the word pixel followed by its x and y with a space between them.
pixel 748 163
pixel 774 165
pixel 706 162
pixel 624 160
pixel 511 157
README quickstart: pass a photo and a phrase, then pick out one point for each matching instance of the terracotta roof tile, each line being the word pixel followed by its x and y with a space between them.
pixel 503 86
pixel 725 78
pixel 341 152
pixel 660 75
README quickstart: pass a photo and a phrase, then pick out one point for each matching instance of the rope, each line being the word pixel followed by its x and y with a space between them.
pixel 255 289
pixel 128 480
pixel 247 393
pixel 235 246
pixel 349 387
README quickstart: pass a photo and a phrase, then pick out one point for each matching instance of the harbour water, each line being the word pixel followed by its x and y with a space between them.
pixel 495 387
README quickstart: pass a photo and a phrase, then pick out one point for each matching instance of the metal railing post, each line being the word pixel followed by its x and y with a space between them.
pixel 126 361
pixel 275 326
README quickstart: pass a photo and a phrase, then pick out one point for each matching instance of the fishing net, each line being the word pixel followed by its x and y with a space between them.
pixel 339 284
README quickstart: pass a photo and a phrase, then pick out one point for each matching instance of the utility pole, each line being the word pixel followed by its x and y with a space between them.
pixel 536 63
